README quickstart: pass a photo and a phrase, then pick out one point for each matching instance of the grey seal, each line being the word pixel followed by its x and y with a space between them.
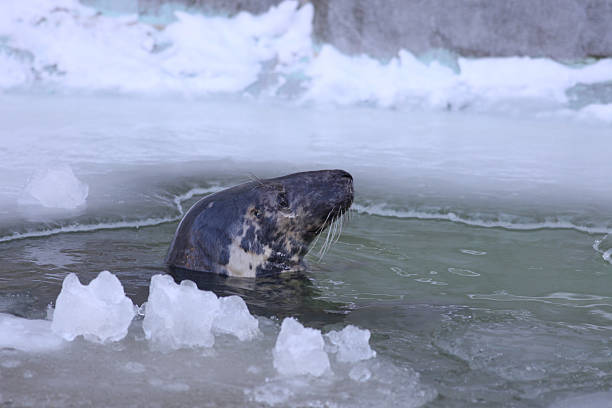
pixel 260 227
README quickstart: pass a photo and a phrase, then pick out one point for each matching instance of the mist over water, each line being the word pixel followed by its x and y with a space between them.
pixel 485 170
pixel 478 255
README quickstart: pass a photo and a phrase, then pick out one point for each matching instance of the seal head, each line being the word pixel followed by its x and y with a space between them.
pixel 261 227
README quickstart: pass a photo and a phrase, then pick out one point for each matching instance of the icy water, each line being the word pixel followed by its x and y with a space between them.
pixel 478 255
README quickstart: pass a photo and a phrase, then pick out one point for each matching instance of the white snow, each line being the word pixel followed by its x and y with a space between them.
pixel 341 79
pixel 300 350
pixel 99 311
pixel 77 48
pixel 63 44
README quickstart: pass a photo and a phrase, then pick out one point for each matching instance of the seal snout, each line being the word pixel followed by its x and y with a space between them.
pixel 344 174
pixel 346 178
pixel 339 187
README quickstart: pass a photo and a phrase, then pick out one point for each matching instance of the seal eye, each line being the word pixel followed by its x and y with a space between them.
pixel 282 200
pixel 256 212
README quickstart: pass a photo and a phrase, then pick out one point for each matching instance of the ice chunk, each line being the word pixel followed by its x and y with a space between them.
pixel 179 315
pixel 55 187
pixel 352 344
pixel 184 316
pixel 234 318
pixel 99 311
pixel 27 335
pixel 300 350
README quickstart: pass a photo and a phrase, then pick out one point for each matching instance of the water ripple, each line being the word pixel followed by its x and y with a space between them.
pixel 472 252
pixel 557 298
pixel 463 272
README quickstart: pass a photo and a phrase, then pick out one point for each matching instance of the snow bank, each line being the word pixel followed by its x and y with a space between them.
pixel 99 311
pixel 63 44
pixel 70 45
pixel 342 79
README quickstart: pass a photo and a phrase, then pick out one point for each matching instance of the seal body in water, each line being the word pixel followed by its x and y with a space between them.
pixel 260 227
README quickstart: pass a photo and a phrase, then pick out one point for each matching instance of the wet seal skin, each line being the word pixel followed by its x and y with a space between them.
pixel 261 227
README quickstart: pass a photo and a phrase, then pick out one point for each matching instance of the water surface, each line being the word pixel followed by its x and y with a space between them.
pixel 478 253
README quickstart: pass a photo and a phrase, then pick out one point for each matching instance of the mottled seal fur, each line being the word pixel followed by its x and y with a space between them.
pixel 260 227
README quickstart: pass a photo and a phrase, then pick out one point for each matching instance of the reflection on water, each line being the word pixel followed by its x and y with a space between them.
pixel 282 295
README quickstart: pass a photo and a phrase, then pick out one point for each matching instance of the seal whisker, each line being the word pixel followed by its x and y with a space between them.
pixel 335 227
pixel 318 233
pixel 336 230
pixel 340 225
pixel 322 227
pixel 320 253
pixel 330 235
pixel 325 245
pixel 332 227
pixel 331 240
pixel 314 243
